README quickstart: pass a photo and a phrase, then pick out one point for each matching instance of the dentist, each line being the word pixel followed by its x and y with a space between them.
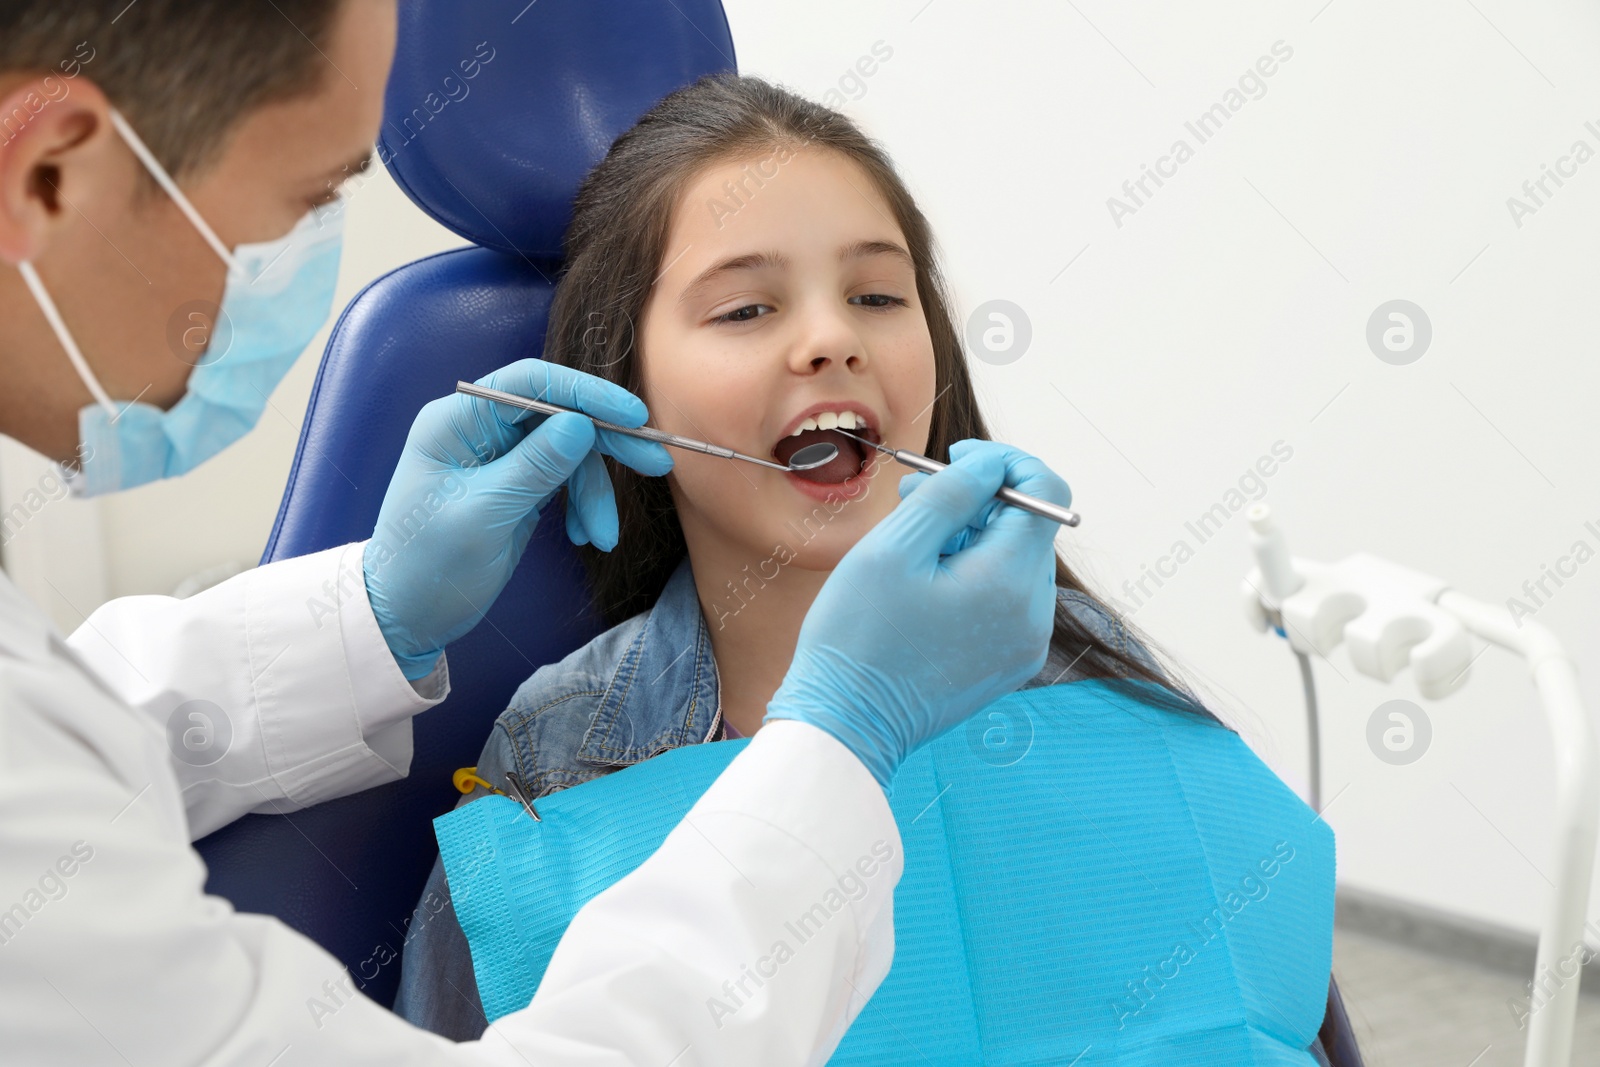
pixel 168 246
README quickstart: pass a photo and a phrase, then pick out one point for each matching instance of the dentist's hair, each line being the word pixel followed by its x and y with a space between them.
pixel 614 250
pixel 184 72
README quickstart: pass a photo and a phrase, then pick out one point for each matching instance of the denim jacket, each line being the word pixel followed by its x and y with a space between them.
pixel 646 685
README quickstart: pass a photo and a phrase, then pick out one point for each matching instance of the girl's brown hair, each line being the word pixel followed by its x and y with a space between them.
pixel 614 249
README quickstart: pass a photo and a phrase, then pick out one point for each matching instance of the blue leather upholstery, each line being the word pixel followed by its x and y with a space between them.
pixel 494 149
pixel 1336 1037
pixel 500 164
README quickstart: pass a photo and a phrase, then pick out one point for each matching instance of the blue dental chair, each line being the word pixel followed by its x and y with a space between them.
pixel 494 112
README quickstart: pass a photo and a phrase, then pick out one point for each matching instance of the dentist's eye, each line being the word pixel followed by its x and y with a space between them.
pixel 744 314
pixel 888 301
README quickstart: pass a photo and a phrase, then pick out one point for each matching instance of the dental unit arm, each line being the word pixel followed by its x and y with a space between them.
pixel 1391 617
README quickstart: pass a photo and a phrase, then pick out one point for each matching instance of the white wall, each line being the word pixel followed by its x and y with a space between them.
pixel 1169 353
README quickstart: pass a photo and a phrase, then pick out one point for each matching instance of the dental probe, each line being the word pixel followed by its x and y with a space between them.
pixel 816 455
pixel 932 466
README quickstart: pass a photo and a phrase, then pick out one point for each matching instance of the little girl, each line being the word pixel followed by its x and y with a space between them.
pixel 750 264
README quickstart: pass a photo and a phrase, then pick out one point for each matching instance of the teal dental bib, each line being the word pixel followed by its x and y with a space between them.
pixel 1086 875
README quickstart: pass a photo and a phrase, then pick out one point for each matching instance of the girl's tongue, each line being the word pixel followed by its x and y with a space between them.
pixel 836 470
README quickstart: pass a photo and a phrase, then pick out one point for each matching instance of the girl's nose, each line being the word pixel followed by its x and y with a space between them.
pixel 826 338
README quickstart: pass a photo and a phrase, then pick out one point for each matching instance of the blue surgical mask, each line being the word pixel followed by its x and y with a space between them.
pixel 278 295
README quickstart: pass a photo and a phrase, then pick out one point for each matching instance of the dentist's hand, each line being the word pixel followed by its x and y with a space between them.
pixel 902 643
pixel 468 490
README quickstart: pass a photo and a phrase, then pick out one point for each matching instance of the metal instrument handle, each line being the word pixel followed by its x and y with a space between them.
pixel 1011 496
pixel 649 433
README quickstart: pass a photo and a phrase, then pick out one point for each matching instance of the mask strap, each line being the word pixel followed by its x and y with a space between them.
pixel 163 179
pixel 41 296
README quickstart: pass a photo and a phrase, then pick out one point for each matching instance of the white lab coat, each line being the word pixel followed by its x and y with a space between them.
pixel 111 953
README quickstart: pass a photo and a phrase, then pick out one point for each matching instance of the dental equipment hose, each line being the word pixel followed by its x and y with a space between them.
pixel 1313 731
pixel 1281 581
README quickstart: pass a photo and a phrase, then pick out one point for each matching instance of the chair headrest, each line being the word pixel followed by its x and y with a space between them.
pixel 496 109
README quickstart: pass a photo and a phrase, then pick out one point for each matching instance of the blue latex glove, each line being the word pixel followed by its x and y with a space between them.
pixel 946 605
pixel 467 493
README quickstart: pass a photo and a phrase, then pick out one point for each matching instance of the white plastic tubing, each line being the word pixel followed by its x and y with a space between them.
pixel 1577 775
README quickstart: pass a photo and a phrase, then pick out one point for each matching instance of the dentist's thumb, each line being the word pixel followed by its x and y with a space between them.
pixel 939 507
pixel 531 473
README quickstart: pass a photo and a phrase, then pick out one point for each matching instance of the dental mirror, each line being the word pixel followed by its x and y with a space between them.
pixel 813 456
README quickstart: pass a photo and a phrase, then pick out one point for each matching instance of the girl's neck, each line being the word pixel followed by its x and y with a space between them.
pixel 753 610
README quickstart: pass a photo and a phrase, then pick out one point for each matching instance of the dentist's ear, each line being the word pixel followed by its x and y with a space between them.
pixel 57 149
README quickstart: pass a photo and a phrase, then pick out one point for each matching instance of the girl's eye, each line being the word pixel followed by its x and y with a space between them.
pixel 875 301
pixel 744 314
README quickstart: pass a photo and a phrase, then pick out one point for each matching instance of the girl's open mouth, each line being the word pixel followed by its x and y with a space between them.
pixel 850 461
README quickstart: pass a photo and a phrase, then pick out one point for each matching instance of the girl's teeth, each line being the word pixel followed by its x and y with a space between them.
pixel 828 420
